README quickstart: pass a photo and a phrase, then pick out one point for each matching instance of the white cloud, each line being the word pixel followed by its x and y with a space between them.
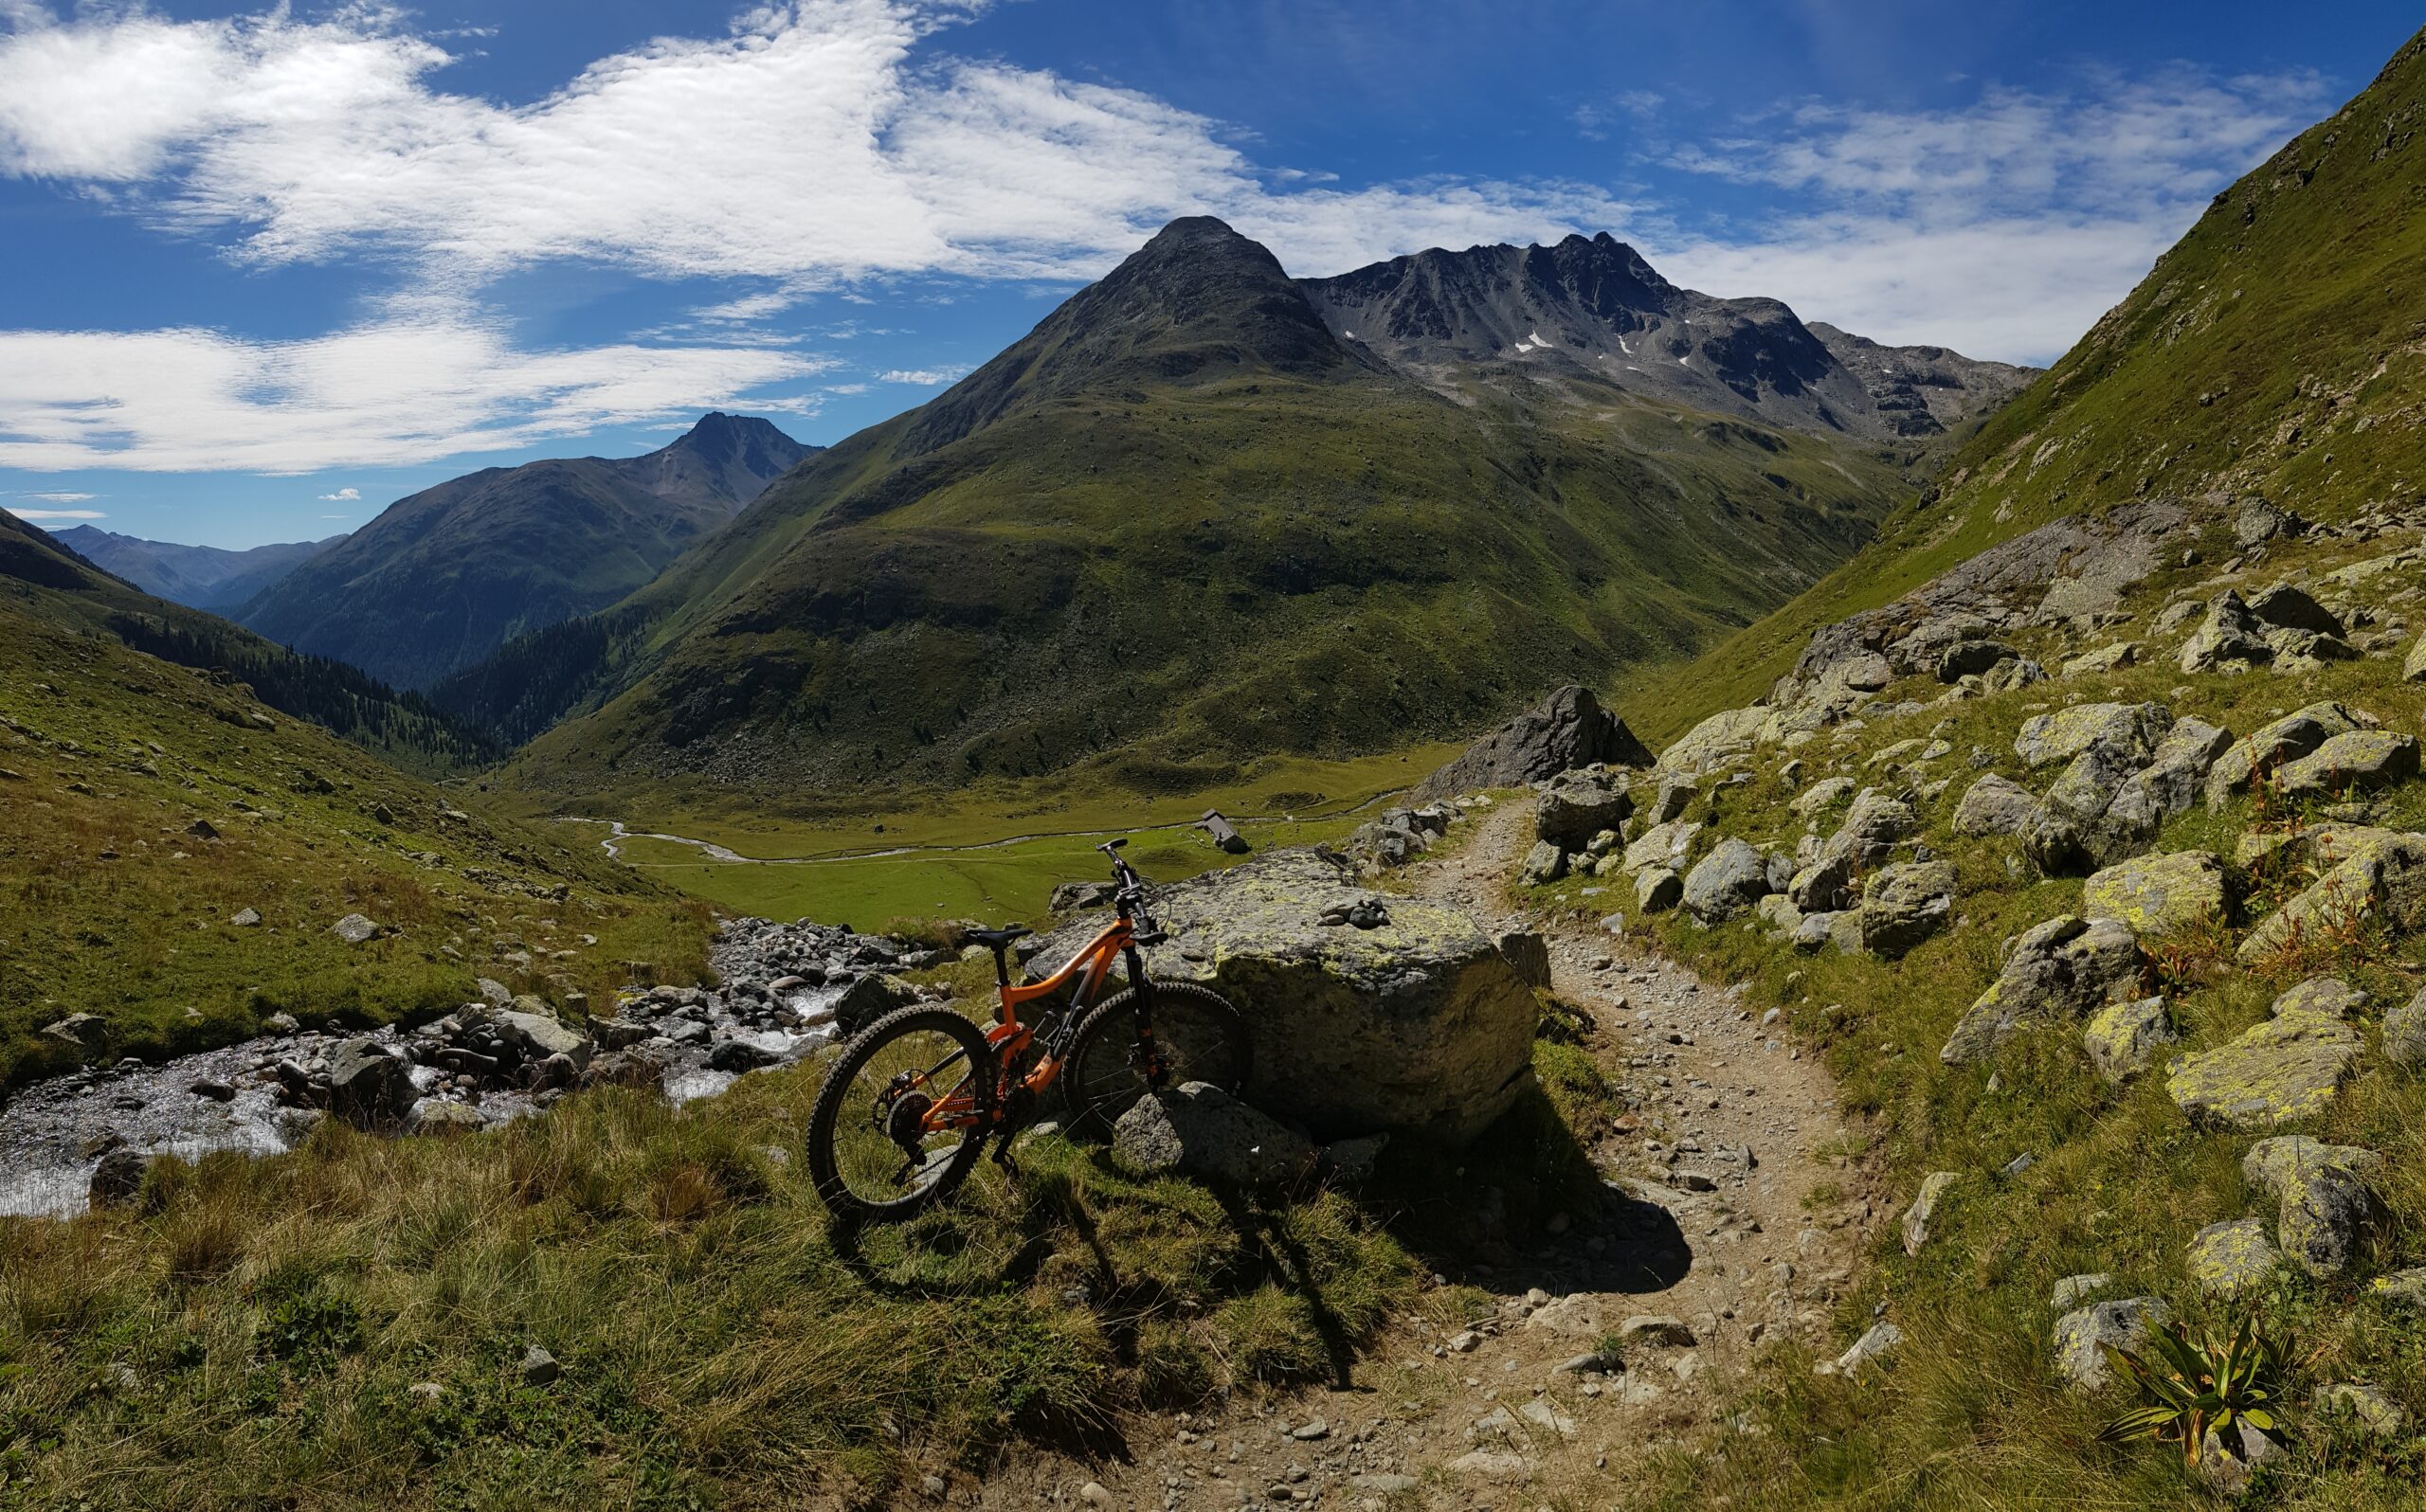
pixel 426 380
pixel 819 141
pixel 343 495
pixel 55 514
pixel 2003 230
pixel 925 376
pixel 57 496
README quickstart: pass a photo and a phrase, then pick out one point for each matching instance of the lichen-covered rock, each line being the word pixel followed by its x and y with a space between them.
pixel 2281 1072
pixel 1199 1130
pixel 1778 912
pixel 2104 659
pixel 2124 1039
pixel 2328 1201
pixel 2289 608
pixel 2229 640
pixel 1968 658
pixel 2173 780
pixel 1825 793
pixel 2356 761
pixel 1727 733
pixel 2368 1408
pixel 1727 882
pixel 1995 805
pixel 2074 1291
pixel 1527 954
pixel 1872 827
pixel 532 1026
pixel 354 929
pixel 2064 968
pixel 1657 888
pixel 1916 1217
pixel 1546 862
pixel 2382 882
pixel 1574 806
pixel 2405 1032
pixel 2132 730
pixel 1417 1025
pixel 2330 996
pixel 1904 905
pixel 2269 746
pixel 2232 1259
pixel 1666 844
pixel 2123 1323
pixel 2159 894
pixel 1566 730
pixel 2069 832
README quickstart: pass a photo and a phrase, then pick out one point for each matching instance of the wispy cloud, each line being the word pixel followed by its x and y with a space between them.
pixel 925 376
pixel 2004 227
pixel 343 495
pixel 424 380
pixel 57 496
pixel 54 514
pixel 870 151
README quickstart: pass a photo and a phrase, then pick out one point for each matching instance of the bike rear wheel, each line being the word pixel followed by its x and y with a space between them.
pixel 870 1156
pixel 1198 1038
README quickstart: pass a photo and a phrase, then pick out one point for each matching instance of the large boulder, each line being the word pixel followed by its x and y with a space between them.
pixel 532 1028
pixel 2285 1069
pixel 2229 640
pixel 1417 1025
pixel 2327 1196
pixel 1569 729
pixel 2232 1259
pixel 1725 883
pixel 1661 845
pixel 2159 894
pixel 1200 1130
pixel 369 1088
pixel 2125 1038
pixel 2131 728
pixel 1723 736
pixel 1872 827
pixel 1904 905
pixel 1574 806
pixel 2064 968
pixel 2356 761
pixel 2405 1032
pixel 2382 882
pixel 2172 781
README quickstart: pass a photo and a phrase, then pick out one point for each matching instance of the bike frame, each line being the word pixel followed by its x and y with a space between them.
pixel 1090 968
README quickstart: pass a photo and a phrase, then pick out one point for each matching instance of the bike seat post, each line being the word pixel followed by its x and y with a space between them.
pixel 1003 965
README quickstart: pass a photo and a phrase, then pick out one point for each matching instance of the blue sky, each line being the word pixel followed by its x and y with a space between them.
pixel 263 272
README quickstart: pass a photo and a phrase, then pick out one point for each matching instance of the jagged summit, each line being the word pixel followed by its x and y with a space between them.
pixel 1594 308
pixel 726 459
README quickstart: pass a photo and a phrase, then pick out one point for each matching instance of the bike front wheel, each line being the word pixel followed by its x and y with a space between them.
pixel 902 1115
pixel 1198 1038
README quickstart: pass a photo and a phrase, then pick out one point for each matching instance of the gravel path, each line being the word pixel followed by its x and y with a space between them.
pixel 1737 1225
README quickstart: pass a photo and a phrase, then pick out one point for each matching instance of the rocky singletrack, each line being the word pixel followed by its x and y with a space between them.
pixel 1735 1216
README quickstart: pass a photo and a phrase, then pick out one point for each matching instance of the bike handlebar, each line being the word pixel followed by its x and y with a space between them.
pixel 1133 887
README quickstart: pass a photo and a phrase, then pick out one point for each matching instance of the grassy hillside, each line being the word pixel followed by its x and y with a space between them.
pixel 2278 351
pixel 144 804
pixel 1178 527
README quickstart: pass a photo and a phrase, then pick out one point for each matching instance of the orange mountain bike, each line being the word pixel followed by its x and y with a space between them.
pixel 907 1109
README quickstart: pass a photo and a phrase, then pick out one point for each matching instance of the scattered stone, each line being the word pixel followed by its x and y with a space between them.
pixel 741 1053
pixel 1544 864
pixel 2330 996
pixel 1904 905
pixel 2123 1040
pixel 246 918
pixel 2104 659
pixel 353 929
pixel 1657 890
pixel 2226 1465
pixel 2405 1032
pixel 1995 805
pixel 2131 730
pixel 1873 825
pixel 1200 1130
pixel 1074 897
pixel 369 1088
pixel 2265 749
pixel 79 1032
pixel 1826 793
pixel 539 1368
pixel 2401 1288
pixel 2371 1409
pixel 214 1089
pixel 1822 886
pixel 1658 1330
pixel 1574 806
pixel 437 1115
pixel 2229 639
pixel 2232 1259
pixel 1492 1465
pixel 1924 1207
pixel 2064 968
pixel 1350 1162
pixel 2123 1323
pixel 2074 1291
pixel 2383 880
pixel 2159 894
pixel 1882 1340
pixel 2356 761
pixel 2328 1203
pixel 1666 844
pixel 117 1177
pixel 1727 882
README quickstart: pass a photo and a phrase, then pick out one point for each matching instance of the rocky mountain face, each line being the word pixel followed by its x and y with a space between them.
pixel 200 577
pixel 1593 309
pixel 1184 523
pixel 441 579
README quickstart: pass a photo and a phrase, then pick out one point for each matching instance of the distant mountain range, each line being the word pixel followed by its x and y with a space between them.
pixel 1205 512
pixel 441 579
pixel 200 577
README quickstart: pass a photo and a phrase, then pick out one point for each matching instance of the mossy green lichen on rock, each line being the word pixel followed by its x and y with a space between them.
pixel 2159 894
pixel 2123 1039
pixel 2283 1070
pixel 2232 1259
pixel 2382 882
pixel 2061 968
pixel 2327 1198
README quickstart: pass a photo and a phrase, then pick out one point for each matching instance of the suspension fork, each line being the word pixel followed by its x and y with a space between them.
pixel 1149 1056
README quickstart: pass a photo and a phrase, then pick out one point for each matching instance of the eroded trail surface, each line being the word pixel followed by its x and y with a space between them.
pixel 1731 1220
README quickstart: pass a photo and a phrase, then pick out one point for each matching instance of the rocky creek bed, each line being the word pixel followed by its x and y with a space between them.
pixel 784 991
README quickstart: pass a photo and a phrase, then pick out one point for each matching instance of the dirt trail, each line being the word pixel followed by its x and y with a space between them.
pixel 1734 1223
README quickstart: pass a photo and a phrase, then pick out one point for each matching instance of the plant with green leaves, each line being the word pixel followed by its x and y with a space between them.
pixel 2194 1386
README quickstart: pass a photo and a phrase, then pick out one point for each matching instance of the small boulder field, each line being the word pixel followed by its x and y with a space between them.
pixel 2097 869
